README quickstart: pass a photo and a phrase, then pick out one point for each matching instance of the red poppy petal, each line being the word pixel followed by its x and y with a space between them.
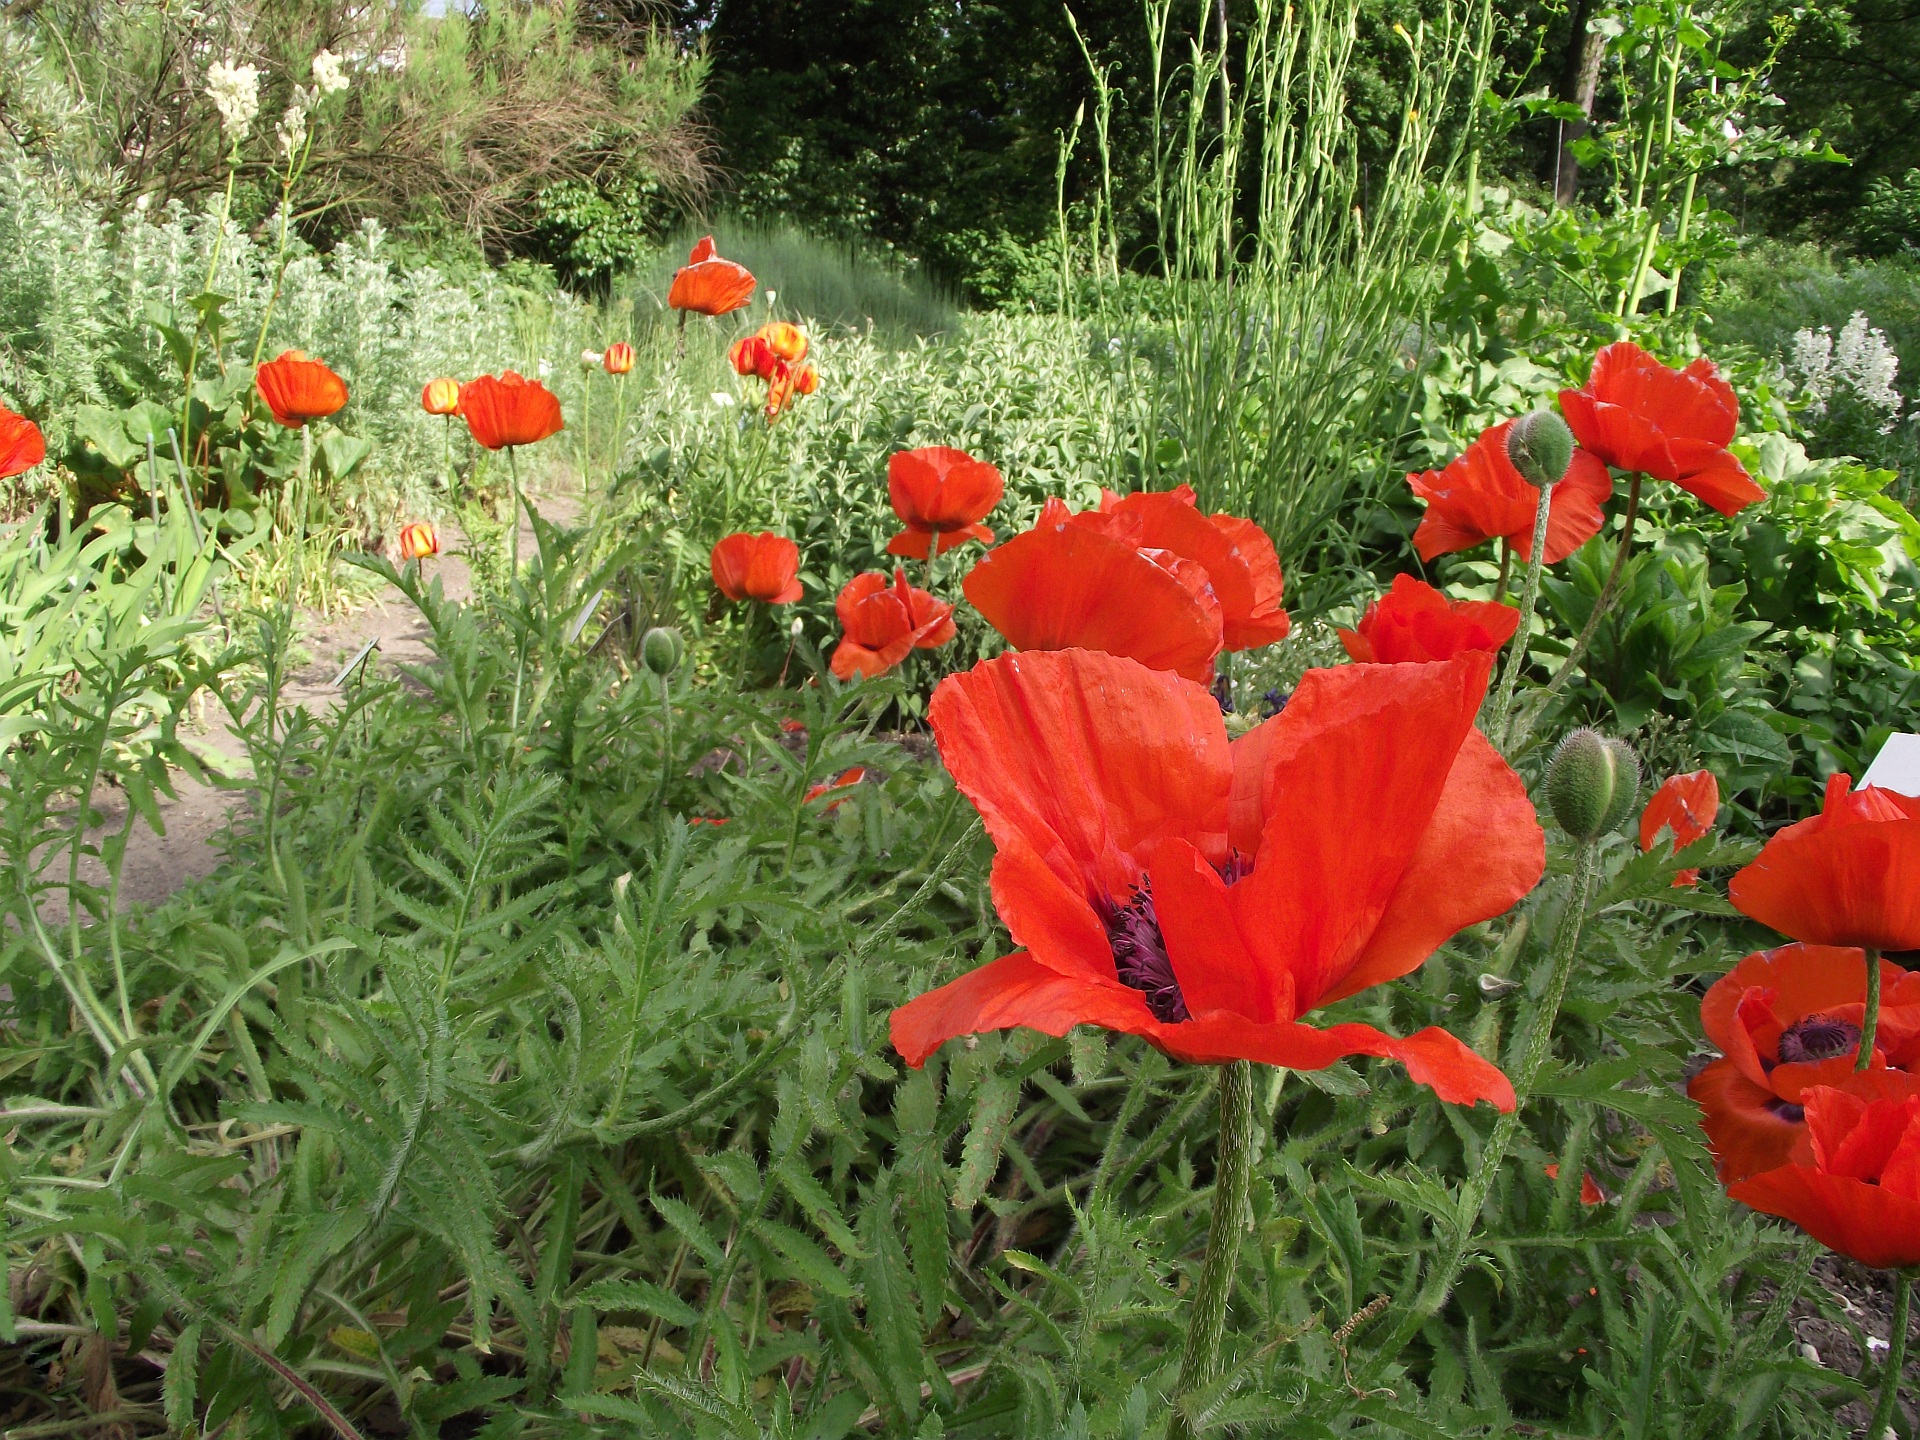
pixel 1838 885
pixel 1747 1127
pixel 911 544
pixel 1215 969
pixel 1619 437
pixel 954 539
pixel 1575 515
pixel 1715 476
pixel 1265 622
pixel 1089 760
pixel 1066 586
pixel 1170 522
pixel 1015 990
pixel 1864 1221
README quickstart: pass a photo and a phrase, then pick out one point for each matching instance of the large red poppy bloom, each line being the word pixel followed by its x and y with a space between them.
pixel 1847 876
pixel 1062 585
pixel 1480 496
pixel 1854 1184
pixel 22 446
pixel 1414 622
pixel 763 567
pixel 1241 564
pixel 1785 1020
pixel 708 285
pixel 883 621
pixel 939 492
pixel 1636 414
pixel 1205 895
pixel 298 389
pixel 1686 806
pixel 508 409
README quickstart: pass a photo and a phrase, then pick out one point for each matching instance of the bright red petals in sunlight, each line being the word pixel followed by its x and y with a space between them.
pixel 1413 622
pixel 1480 497
pixel 1673 425
pixel 1853 1182
pixel 708 285
pixel 441 396
pixel 1783 1020
pixel 1205 895
pixel 1241 565
pixel 845 780
pixel 1590 1191
pixel 1685 805
pixel 508 409
pixel 1847 876
pixel 22 446
pixel 763 567
pixel 298 389
pixel 1061 585
pixel 885 620
pixel 751 355
pixel 940 493
pixel 417 541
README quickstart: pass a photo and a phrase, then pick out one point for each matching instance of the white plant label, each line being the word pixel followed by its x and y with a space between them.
pixel 1897 766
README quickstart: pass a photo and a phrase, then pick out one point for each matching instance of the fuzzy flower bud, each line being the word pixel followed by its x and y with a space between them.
pixel 1541 447
pixel 662 649
pixel 1592 784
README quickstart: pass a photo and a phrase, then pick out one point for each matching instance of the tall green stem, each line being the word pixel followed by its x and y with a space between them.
pixel 1440 1280
pixel 1882 1422
pixel 513 575
pixel 1870 1022
pixel 1233 1177
pixel 1529 597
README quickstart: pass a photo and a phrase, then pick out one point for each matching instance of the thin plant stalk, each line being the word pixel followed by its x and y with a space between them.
pixel 213 266
pixel 1529 597
pixel 1233 1178
pixel 1609 592
pixel 1869 1022
pixel 1890 1374
pixel 513 575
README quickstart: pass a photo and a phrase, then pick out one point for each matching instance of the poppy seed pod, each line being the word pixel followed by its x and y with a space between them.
pixel 1592 782
pixel 1541 447
pixel 661 650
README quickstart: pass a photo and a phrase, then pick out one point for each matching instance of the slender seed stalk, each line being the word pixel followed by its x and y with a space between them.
pixel 666 738
pixel 1882 1422
pixel 513 578
pixel 1870 1022
pixel 1529 597
pixel 1233 1176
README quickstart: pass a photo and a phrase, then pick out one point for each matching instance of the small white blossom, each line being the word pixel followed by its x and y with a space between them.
pixel 293 128
pixel 546 368
pixel 1859 363
pixel 329 73
pixel 723 399
pixel 1729 129
pixel 235 92
pixel 591 359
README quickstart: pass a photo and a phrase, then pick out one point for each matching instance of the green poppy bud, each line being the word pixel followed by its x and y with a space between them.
pixel 1541 447
pixel 661 650
pixel 1592 784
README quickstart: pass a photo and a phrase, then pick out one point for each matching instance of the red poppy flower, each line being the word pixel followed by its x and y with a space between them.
pixel 782 386
pixel 1783 1020
pixel 22 446
pixel 1064 586
pixel 939 492
pixel 883 621
pixel 1636 414
pixel 763 567
pixel 1854 1183
pixel 507 409
pixel 751 355
pixel 845 780
pixel 706 820
pixel 708 285
pixel 1239 559
pixel 441 396
pixel 1848 876
pixel 787 341
pixel 298 389
pixel 1480 496
pixel 1205 895
pixel 1685 805
pixel 1415 622
pixel 417 541
pixel 619 358
pixel 1590 1191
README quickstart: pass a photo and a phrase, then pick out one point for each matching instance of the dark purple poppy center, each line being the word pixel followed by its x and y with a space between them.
pixel 1140 956
pixel 1818 1037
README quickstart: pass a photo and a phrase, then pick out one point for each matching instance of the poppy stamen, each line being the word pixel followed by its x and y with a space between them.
pixel 1140 957
pixel 1818 1037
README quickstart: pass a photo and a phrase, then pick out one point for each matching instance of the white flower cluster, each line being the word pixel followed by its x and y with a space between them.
pixel 1859 364
pixel 329 73
pixel 235 92
pixel 329 78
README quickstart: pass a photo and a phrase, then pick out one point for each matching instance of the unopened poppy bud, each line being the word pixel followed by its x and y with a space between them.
pixel 417 541
pixel 441 396
pixel 661 650
pixel 1592 782
pixel 797 628
pixel 619 358
pixel 1541 447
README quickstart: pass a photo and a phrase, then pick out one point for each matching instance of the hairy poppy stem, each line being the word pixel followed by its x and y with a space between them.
pixel 1882 1422
pixel 1233 1176
pixel 1529 597
pixel 1869 1022
pixel 1608 593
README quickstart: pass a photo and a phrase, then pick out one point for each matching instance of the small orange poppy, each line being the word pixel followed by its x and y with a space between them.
pixel 941 495
pixel 508 409
pixel 845 780
pixel 751 355
pixel 417 541
pixel 884 621
pixel 298 389
pixel 441 396
pixel 763 567
pixel 1686 805
pixel 786 340
pixel 708 285
pixel 619 358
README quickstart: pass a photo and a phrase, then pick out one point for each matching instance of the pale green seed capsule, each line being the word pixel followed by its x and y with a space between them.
pixel 1541 447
